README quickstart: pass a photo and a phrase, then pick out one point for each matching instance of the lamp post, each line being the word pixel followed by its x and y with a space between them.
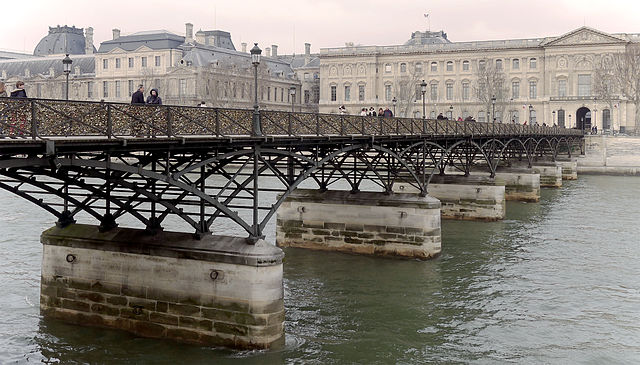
pixel 394 101
pixel 292 92
pixel 595 112
pixel 493 112
pixel 530 110
pixel 451 112
pixel 255 61
pixel 570 125
pixel 66 68
pixel 423 89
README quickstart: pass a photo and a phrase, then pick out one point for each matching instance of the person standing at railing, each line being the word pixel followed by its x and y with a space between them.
pixel 138 96
pixel 387 113
pixel 18 119
pixel 153 97
pixel 19 92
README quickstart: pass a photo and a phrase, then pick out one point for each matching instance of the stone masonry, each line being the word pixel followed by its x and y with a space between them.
pixel 218 291
pixel 401 225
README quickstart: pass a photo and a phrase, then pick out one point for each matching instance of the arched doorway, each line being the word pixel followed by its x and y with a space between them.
pixel 583 119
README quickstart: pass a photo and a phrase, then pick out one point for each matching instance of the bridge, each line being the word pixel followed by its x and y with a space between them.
pixel 202 165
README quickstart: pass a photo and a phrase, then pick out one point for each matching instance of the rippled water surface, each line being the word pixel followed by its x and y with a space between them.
pixel 556 282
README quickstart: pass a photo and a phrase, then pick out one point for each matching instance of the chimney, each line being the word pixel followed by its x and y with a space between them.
pixel 116 33
pixel 188 35
pixel 200 37
pixel 51 72
pixel 267 52
pixel 274 50
pixel 307 53
pixel 88 42
pixel 76 70
pixel 244 47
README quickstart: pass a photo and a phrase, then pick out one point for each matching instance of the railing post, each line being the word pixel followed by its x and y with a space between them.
pixel 317 124
pixel 169 126
pixel 109 125
pixel 34 127
pixel 437 127
pixel 362 125
pixel 289 123
pixel 381 125
pixel 341 125
pixel 217 131
pixel 424 126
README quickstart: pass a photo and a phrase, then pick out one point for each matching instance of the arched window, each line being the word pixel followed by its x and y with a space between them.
pixel 465 65
pixel 532 116
pixel 533 63
pixel 403 67
pixel 499 65
pixel 449 66
pixel 481 116
pixel 416 114
pixel 418 68
pixel 432 115
pixel 515 116
pixel 482 64
pixel 387 68
pixel 606 119
pixel 434 66
pixel 561 118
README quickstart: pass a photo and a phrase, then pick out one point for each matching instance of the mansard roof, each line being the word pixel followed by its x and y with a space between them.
pixel 154 39
pixel 42 65
pixel 61 40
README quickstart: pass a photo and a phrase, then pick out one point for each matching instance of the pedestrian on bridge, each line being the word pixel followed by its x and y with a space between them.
pixel 19 91
pixel 153 97
pixel 138 96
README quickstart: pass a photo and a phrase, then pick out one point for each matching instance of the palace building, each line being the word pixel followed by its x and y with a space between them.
pixel 545 80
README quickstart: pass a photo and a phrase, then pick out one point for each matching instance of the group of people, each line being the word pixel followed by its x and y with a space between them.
pixel 138 97
pixel 371 112
pixel 19 92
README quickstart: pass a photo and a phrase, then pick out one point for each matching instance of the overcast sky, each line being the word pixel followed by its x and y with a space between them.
pixel 323 23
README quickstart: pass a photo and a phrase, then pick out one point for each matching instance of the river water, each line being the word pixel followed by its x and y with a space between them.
pixel 556 282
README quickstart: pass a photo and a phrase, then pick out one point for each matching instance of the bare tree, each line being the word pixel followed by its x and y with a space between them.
pixel 603 83
pixel 621 73
pixel 490 82
pixel 406 90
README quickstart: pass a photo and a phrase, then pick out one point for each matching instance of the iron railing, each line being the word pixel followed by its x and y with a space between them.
pixel 46 118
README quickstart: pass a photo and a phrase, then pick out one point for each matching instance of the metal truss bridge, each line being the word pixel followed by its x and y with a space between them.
pixel 108 160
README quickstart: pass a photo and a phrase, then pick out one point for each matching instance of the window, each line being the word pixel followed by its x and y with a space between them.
pixel 532 116
pixel 418 92
pixel 131 87
pixel 117 88
pixel 333 93
pixel 39 90
pixel 561 118
pixel 144 61
pixel 361 92
pixel 465 91
pixel 533 63
pixel 387 92
pixel 306 76
pixel 606 119
pixel 387 68
pixel 416 114
pixel 434 92
pixel 418 68
pixel 515 116
pixel 281 94
pixel 89 89
pixel 347 93
pixel 157 61
pixel 183 87
pixel 515 89
pixel 307 96
pixel 482 64
pixel 449 66
pixel 268 93
pixel 316 93
pixel 499 65
pixel 584 85
pixel 403 67
pixel 449 91
pixel 465 65
pixel 105 89
pixel 105 64
pixel 450 115
pixel 533 89
pixel 432 115
pixel 118 63
pixel 516 64
pixel 434 66
pixel 130 62
pixel 562 87
pixel 481 116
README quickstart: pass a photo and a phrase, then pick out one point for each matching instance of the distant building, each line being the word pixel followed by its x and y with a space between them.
pixel 548 80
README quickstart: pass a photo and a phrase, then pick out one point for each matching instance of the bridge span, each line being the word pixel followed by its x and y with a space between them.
pixel 107 160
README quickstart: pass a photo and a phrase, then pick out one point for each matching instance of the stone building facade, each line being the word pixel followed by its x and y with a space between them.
pixel 547 80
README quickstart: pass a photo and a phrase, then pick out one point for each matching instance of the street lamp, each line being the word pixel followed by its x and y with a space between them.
pixel 394 101
pixel 292 92
pixel 255 61
pixel 570 125
pixel 423 89
pixel 66 68
pixel 530 110
pixel 553 117
pixel 451 112
pixel 493 105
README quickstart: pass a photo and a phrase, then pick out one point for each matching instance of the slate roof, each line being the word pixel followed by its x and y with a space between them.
pixel 154 39
pixel 41 66
pixel 61 40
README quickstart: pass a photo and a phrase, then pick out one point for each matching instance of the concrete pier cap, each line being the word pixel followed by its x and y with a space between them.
pixel 369 223
pixel 217 291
